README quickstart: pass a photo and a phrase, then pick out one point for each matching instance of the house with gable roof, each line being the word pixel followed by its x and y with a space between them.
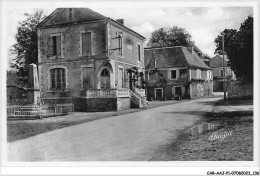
pixel 176 71
pixel 84 58
pixel 216 63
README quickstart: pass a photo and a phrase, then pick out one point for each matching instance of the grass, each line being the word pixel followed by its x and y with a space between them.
pixel 235 147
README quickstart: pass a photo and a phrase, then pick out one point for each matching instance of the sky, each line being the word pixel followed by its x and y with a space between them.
pixel 203 23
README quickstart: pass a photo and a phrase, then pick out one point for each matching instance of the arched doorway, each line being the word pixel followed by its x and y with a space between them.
pixel 105 79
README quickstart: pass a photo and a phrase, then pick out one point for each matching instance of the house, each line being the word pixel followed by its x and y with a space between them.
pixel 85 58
pixel 177 71
pixel 16 95
pixel 216 63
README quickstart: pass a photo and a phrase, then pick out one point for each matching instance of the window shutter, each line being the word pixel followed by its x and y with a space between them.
pixel 86 43
pixel 93 43
pixel 80 44
pixel 88 81
pixel 62 45
pixel 50 47
pixel 58 45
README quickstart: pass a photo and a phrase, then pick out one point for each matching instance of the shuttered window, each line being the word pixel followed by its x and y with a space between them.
pixel 88 78
pixel 86 43
pixel 56 45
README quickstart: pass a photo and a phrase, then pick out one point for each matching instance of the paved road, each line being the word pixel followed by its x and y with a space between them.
pixel 129 137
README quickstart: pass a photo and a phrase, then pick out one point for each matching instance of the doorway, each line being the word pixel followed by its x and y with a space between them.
pixel 105 79
pixel 158 93
pixel 178 92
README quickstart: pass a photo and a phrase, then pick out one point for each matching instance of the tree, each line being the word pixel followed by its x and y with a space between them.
pixel 170 37
pixel 239 49
pixel 26 46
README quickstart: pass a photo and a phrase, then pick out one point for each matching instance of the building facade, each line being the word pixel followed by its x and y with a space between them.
pixel 216 63
pixel 176 72
pixel 83 54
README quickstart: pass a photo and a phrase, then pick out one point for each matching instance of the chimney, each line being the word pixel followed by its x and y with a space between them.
pixel 121 21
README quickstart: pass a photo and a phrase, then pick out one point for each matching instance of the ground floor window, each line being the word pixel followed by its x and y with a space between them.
pixel 58 79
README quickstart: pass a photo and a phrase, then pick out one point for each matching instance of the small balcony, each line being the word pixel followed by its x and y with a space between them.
pixel 107 93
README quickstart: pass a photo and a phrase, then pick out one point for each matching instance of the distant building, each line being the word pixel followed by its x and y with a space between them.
pixel 15 94
pixel 173 72
pixel 84 56
pixel 216 63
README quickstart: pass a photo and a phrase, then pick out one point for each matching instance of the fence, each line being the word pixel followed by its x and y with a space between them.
pixel 107 93
pixel 36 111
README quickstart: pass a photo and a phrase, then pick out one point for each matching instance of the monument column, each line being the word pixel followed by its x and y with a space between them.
pixel 33 85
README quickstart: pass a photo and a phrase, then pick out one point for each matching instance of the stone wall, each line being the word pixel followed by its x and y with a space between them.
pixel 101 104
pixel 54 101
pixel 236 90
pixel 123 103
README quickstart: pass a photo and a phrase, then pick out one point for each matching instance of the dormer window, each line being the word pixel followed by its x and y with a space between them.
pixel 70 13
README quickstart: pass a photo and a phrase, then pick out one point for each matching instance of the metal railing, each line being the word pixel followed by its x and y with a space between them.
pixel 107 93
pixel 38 111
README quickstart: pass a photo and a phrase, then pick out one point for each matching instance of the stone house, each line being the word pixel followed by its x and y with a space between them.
pixel 16 95
pixel 216 63
pixel 177 71
pixel 84 57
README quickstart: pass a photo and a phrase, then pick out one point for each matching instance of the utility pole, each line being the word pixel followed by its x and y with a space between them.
pixel 224 74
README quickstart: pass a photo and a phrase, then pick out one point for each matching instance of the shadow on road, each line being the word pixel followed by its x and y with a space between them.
pixel 197 113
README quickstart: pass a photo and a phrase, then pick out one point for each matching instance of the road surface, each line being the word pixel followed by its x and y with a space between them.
pixel 129 137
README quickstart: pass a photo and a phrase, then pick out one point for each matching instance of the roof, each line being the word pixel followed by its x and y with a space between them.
pixel 172 57
pixel 196 49
pixel 19 87
pixel 81 15
pixel 217 61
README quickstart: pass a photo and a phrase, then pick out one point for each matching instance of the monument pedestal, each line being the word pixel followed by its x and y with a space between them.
pixel 33 95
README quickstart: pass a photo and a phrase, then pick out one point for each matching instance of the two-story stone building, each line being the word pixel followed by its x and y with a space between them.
pixel 84 57
pixel 177 71
pixel 216 63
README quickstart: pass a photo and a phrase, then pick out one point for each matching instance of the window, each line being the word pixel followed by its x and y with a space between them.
pixel 58 79
pixel 139 52
pixel 71 13
pixel 183 73
pixel 56 45
pixel 105 73
pixel 198 73
pixel 87 78
pixel 105 79
pixel 173 74
pixel 120 77
pixel 86 43
pixel 221 73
